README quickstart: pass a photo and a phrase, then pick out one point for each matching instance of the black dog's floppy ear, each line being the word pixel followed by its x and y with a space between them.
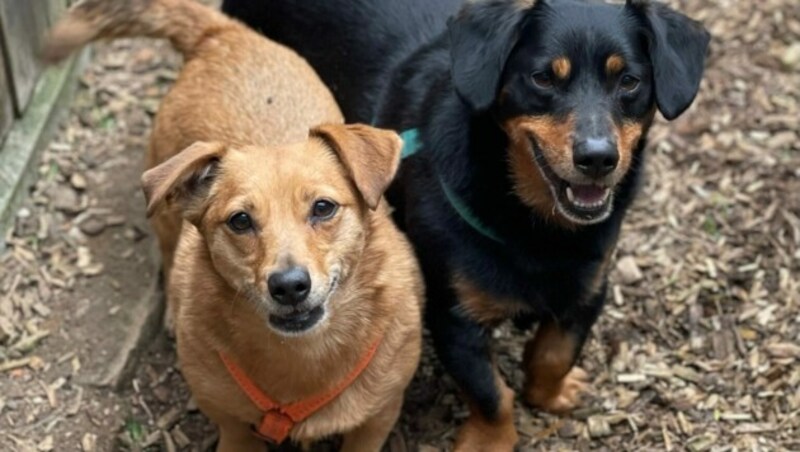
pixel 678 46
pixel 482 36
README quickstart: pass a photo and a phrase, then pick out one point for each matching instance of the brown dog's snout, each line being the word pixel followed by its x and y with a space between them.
pixel 595 157
pixel 289 287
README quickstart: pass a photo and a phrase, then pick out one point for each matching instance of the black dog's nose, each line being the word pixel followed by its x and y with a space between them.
pixel 289 287
pixel 595 157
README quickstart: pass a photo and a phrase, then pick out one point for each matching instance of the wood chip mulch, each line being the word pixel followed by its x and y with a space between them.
pixel 698 348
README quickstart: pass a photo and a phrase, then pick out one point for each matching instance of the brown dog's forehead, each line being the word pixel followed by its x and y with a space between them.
pixel 284 172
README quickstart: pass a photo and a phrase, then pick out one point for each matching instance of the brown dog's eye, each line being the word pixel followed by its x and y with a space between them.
pixel 240 222
pixel 542 79
pixel 323 209
pixel 628 83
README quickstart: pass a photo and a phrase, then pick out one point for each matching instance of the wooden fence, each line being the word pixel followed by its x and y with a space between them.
pixel 22 25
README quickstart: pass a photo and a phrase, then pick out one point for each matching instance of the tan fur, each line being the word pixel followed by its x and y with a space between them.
pixel 552 383
pixel 380 293
pixel 166 180
pixel 243 107
pixel 184 23
pixel 614 64
pixel 484 307
pixel 479 434
pixel 627 136
pixel 561 67
pixel 555 140
pixel 371 158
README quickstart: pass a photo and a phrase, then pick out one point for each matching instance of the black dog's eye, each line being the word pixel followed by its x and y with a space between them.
pixel 323 209
pixel 628 83
pixel 542 79
pixel 240 222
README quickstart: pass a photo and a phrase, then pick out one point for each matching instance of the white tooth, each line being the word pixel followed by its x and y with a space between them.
pixel 570 195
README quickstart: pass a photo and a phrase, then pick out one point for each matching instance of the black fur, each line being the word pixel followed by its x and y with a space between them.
pixel 354 46
pixel 457 86
pixel 477 62
pixel 677 49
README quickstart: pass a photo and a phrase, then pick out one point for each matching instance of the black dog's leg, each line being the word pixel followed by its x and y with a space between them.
pixel 552 382
pixel 463 347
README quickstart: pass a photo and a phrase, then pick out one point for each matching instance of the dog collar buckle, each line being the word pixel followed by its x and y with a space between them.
pixel 274 428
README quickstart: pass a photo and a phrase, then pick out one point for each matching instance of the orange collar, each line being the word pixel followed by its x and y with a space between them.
pixel 279 419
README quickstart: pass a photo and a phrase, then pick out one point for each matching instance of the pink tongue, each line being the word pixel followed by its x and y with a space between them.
pixel 588 194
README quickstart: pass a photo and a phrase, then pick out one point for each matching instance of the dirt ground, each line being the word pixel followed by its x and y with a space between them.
pixel 698 349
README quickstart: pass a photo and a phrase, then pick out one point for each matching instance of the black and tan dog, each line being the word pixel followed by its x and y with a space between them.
pixel 531 120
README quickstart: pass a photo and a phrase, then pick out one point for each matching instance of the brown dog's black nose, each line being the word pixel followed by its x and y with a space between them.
pixel 595 157
pixel 289 287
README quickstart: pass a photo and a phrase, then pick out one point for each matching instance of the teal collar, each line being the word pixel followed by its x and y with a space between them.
pixel 411 146
pixel 467 215
pixel 411 143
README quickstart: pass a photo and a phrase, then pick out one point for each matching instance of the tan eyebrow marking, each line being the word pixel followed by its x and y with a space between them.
pixel 614 64
pixel 561 67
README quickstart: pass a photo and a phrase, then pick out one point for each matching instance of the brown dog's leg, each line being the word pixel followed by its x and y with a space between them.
pixel 167 226
pixel 371 436
pixel 482 434
pixel 235 436
pixel 552 383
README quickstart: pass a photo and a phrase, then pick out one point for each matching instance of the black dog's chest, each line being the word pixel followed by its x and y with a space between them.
pixel 544 272
pixel 534 266
pixel 543 282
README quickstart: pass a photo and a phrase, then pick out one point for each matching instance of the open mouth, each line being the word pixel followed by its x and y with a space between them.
pixel 579 202
pixel 297 322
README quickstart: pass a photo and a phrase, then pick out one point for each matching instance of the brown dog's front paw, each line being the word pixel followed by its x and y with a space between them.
pixel 561 397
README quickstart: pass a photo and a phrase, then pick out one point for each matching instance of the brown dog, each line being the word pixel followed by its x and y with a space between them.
pixel 296 302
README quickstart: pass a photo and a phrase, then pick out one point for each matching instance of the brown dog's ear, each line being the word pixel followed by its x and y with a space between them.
pixel 182 176
pixel 370 155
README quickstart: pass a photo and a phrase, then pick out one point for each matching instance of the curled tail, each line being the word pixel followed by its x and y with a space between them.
pixel 183 22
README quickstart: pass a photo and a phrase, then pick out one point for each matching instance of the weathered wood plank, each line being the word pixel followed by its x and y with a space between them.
pixel 30 134
pixel 23 25
pixel 55 8
pixel 6 103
